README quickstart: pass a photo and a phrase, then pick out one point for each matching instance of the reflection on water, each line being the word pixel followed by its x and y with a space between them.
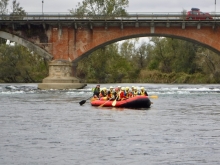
pixel 50 127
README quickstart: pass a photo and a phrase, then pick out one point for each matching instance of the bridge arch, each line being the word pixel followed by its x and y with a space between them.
pixel 25 43
pixel 207 37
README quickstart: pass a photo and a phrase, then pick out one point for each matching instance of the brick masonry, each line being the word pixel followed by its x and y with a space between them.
pixel 71 44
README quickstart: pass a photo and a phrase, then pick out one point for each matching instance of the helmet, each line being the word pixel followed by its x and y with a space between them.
pixel 116 88
pixel 127 88
pixel 122 88
pixel 111 87
pixel 104 89
pixel 142 88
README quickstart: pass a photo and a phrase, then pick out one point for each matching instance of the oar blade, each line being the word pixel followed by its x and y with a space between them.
pixel 153 96
pixel 114 102
pixel 82 102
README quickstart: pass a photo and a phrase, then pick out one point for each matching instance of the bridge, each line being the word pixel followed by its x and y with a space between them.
pixel 64 39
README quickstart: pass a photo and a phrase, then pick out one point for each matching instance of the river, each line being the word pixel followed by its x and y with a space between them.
pixel 40 127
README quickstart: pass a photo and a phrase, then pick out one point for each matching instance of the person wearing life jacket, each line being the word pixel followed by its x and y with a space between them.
pixel 122 94
pixel 103 93
pixel 130 94
pixel 119 88
pixel 96 91
pixel 116 93
pixel 135 92
pixel 126 92
pixel 143 92
pixel 110 95
pixel 132 89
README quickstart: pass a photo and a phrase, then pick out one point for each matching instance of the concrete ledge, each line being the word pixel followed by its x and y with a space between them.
pixel 47 86
pixel 61 80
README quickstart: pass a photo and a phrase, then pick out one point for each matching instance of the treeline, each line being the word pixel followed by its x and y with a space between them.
pixel 161 60
pixel 19 65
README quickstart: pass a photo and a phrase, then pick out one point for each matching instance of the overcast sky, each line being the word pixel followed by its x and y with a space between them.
pixel 59 6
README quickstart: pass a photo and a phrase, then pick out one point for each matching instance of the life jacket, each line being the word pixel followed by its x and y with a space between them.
pixel 118 95
pixel 130 94
pixel 126 93
pixel 96 91
pixel 135 93
pixel 122 95
pixel 111 94
pixel 103 98
pixel 142 93
pixel 103 93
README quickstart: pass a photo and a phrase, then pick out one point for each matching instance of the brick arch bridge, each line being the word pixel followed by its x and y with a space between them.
pixel 99 37
pixel 67 42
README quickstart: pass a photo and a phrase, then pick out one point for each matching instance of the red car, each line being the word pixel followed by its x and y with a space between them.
pixel 196 14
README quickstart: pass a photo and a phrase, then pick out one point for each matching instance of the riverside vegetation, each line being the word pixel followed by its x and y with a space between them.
pixel 161 60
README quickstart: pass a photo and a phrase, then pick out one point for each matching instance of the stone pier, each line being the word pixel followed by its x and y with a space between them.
pixel 60 77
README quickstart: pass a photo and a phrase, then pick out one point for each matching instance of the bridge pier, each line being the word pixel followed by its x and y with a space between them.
pixel 60 77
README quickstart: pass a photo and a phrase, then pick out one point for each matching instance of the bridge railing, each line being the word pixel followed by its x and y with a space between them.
pixel 129 16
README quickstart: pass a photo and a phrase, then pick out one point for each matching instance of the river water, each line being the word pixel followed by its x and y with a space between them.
pixel 40 127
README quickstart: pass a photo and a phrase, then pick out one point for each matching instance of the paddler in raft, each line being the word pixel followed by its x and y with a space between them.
pixel 121 94
pixel 103 94
pixel 128 93
pixel 96 91
pixel 143 92
pixel 111 94
pixel 135 92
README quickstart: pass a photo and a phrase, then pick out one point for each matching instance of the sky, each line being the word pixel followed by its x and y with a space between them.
pixel 135 6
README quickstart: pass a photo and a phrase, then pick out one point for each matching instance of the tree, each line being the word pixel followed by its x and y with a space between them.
pixel 127 48
pixel 160 55
pixel 135 53
pixel 141 55
pixel 3 6
pixel 17 11
pixel 19 65
pixel 209 63
pixel 104 65
pixel 100 8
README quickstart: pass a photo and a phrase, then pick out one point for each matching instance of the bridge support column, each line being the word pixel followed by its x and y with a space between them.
pixel 60 77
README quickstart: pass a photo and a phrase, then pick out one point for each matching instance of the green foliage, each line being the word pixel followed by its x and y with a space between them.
pixel 163 60
pixel 100 8
pixel 19 65
pixel 104 65
pixel 155 76
pixel 17 11
pixel 173 55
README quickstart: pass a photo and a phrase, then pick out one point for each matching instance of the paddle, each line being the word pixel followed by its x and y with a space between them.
pixel 83 101
pixel 153 96
pixel 104 103
pixel 114 102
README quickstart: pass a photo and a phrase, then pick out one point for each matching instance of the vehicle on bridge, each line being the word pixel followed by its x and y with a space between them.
pixel 196 14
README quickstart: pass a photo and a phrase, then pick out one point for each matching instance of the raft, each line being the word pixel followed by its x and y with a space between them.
pixel 136 102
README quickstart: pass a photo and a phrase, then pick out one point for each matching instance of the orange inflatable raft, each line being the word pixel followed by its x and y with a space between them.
pixel 134 102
